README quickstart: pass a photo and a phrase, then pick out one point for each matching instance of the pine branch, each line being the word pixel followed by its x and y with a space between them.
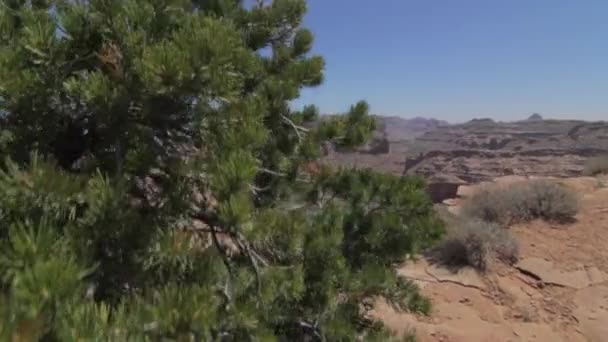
pixel 281 174
pixel 313 328
pixel 255 190
pixel 246 250
pixel 244 246
pixel 221 250
pixel 271 172
pixel 225 291
pixel 212 223
pixel 296 128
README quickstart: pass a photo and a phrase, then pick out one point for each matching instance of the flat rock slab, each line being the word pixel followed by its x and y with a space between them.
pixel 455 210
pixel 511 179
pixel 416 271
pixel 465 276
pixel 461 323
pixel 422 271
pixel 451 201
pixel 536 332
pixel 592 312
pixel 549 274
pixel 465 191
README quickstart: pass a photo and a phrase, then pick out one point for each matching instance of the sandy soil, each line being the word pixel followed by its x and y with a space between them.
pixel 558 291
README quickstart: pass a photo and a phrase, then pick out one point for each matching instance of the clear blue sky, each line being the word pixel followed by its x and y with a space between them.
pixel 460 59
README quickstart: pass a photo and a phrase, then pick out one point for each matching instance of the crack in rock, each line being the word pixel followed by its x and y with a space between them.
pixel 546 272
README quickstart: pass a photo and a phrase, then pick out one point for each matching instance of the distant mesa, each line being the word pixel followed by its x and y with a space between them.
pixel 482 120
pixel 397 128
pixel 535 117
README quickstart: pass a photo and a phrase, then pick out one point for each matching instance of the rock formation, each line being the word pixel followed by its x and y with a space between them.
pixel 478 150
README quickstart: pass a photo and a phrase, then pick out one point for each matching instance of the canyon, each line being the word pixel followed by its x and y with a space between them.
pixel 451 155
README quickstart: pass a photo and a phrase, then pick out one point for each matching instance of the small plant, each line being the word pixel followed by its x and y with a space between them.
pixel 410 336
pixel 550 201
pixel 596 166
pixel 477 243
pixel 522 202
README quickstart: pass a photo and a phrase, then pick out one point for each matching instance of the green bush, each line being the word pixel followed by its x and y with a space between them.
pixel 477 243
pixel 522 202
pixel 596 166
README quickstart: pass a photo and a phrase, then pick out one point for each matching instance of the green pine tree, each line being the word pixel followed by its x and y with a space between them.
pixel 158 185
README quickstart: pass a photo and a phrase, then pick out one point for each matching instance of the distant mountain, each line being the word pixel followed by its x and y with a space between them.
pixel 397 128
pixel 535 117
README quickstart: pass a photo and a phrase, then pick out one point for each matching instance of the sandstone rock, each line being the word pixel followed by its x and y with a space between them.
pixel 423 272
pixel 442 187
pixel 592 313
pixel 465 276
pixel 549 274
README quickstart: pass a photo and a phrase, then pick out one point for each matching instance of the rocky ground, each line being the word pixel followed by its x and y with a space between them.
pixel 558 291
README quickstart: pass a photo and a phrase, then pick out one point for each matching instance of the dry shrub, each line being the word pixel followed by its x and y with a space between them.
pixel 523 201
pixel 477 243
pixel 596 166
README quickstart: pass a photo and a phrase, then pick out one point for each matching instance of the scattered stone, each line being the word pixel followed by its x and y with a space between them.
pixel 465 300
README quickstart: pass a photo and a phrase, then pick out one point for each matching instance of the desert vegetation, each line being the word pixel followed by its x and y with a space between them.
pixel 481 235
pixel 596 166
pixel 470 241
pixel 154 183
pixel 477 243
pixel 523 201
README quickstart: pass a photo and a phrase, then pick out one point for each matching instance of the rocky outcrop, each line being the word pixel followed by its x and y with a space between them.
pixel 398 129
pixel 478 150
pixel 557 291
pixel 480 165
pixel 548 273
pixel 442 187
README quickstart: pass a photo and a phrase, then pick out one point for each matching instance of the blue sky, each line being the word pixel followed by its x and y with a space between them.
pixel 460 59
